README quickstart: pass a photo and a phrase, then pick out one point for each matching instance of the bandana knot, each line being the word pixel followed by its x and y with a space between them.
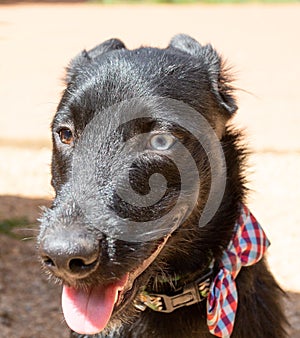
pixel 247 247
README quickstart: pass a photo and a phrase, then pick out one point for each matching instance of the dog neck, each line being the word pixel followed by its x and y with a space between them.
pixel 186 295
pixel 247 247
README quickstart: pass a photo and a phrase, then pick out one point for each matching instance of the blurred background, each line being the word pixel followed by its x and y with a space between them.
pixel 38 39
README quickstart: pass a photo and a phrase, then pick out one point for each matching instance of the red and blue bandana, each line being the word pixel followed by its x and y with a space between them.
pixel 247 247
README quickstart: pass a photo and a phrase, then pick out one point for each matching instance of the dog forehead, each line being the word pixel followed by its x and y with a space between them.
pixel 147 59
pixel 123 74
pixel 131 73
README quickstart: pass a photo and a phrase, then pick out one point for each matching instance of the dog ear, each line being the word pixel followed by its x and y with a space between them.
pixel 220 79
pixel 85 57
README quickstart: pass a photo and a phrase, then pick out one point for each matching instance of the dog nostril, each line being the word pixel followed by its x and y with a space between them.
pixel 79 265
pixel 48 262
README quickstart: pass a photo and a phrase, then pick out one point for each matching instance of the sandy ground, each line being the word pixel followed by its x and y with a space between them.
pixel 36 43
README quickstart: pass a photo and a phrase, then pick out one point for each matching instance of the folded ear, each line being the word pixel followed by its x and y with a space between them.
pixel 86 57
pixel 220 79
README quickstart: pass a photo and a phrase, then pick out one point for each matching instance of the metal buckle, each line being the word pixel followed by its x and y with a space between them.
pixel 192 293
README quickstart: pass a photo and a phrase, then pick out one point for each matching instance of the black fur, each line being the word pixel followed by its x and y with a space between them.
pixel 190 73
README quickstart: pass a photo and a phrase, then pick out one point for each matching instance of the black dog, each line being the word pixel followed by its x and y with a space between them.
pixel 150 199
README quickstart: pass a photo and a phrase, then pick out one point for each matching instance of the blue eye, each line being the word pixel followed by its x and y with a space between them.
pixel 162 141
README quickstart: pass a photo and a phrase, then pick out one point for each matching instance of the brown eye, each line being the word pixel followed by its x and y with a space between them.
pixel 66 136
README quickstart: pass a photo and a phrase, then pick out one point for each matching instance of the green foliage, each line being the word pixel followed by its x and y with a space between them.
pixel 190 1
pixel 145 1
pixel 142 1
pixel 11 226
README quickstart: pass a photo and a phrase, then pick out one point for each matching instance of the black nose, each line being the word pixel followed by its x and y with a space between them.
pixel 70 254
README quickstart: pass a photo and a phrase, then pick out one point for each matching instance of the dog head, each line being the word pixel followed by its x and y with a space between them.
pixel 136 159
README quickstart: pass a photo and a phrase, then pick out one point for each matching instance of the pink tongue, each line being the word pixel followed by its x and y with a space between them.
pixel 88 312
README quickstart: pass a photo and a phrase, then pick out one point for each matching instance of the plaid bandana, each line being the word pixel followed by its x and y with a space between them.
pixel 247 247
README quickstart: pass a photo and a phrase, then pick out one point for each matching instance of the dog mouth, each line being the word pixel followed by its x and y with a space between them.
pixel 88 310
